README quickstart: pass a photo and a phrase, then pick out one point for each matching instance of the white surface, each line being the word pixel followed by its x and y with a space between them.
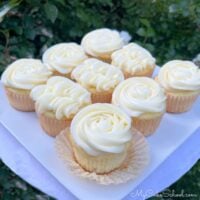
pixel 28 168
pixel 174 130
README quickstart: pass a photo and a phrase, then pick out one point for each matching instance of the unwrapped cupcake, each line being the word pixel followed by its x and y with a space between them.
pixel 100 135
pixel 99 78
pixel 181 81
pixel 134 60
pixel 19 78
pixel 144 100
pixel 62 58
pixel 57 102
pixel 101 43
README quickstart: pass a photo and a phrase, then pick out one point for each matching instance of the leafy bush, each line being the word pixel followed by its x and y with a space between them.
pixel 169 29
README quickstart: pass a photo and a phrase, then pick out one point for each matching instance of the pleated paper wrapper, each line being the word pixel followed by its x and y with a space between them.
pixel 135 163
pixel 179 104
pixel 20 101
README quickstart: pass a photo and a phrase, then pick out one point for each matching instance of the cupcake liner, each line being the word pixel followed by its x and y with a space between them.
pixel 146 126
pixel 101 97
pixel 52 126
pixel 20 101
pixel 145 73
pixel 136 161
pixel 179 104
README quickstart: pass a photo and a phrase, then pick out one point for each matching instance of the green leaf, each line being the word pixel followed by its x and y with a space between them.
pixel 61 2
pixel 150 32
pixel 145 22
pixel 30 34
pixel 141 32
pixel 51 12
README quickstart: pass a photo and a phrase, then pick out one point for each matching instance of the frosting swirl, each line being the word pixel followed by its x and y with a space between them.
pixel 101 42
pixel 25 74
pixel 63 57
pixel 96 75
pixel 139 95
pixel 101 128
pixel 60 95
pixel 179 75
pixel 133 58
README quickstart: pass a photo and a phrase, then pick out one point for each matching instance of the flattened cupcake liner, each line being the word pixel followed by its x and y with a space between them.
pixel 20 101
pixel 101 97
pixel 147 73
pixel 179 104
pixel 136 161
pixel 146 126
pixel 52 126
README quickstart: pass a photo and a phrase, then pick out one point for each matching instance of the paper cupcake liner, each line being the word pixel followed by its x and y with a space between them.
pixel 179 104
pixel 101 97
pixel 136 161
pixel 146 126
pixel 145 73
pixel 52 126
pixel 20 101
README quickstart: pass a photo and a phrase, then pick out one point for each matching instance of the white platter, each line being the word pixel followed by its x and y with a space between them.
pixel 173 131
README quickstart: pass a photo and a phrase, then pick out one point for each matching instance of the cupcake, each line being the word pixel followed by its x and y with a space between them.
pixel 101 43
pixel 144 100
pixel 99 78
pixel 19 78
pixel 100 135
pixel 57 102
pixel 134 60
pixel 181 82
pixel 62 58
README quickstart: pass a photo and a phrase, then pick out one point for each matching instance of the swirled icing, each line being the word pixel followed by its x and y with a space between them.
pixel 101 42
pixel 25 74
pixel 64 57
pixel 179 75
pixel 62 96
pixel 139 95
pixel 96 75
pixel 101 128
pixel 132 58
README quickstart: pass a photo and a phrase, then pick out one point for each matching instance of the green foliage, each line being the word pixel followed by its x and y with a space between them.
pixel 168 28
pixel 14 188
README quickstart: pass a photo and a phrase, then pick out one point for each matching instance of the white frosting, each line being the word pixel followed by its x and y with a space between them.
pixel 25 74
pixel 64 57
pixel 62 96
pixel 101 128
pixel 133 58
pixel 139 95
pixel 96 75
pixel 101 42
pixel 179 75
